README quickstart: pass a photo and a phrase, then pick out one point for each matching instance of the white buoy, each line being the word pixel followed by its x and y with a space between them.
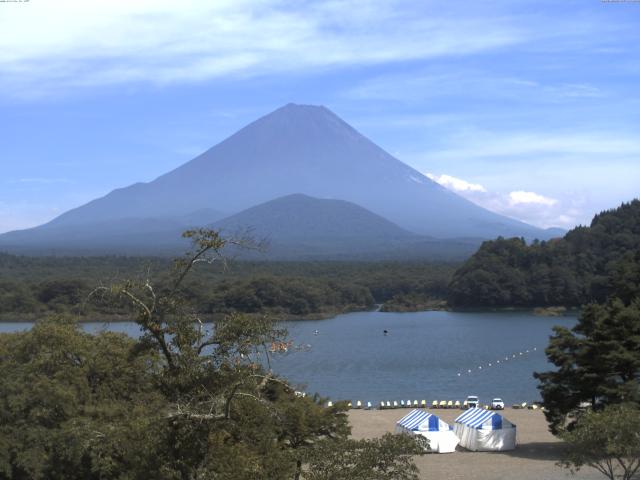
pixel 498 361
pixel 458 373
pixel 469 371
pixel 479 367
pixel 489 364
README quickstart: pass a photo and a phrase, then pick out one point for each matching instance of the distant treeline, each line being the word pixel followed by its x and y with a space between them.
pixel 587 265
pixel 31 287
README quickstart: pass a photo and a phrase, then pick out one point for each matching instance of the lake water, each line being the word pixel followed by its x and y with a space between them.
pixel 425 355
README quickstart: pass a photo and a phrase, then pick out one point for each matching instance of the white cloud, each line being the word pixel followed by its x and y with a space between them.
pixel 600 165
pixel 68 43
pixel 520 196
pixel 529 207
pixel 456 184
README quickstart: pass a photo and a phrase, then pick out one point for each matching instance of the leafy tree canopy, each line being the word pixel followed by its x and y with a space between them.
pixel 608 441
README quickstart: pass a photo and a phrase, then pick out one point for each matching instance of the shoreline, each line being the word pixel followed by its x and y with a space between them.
pixel 101 318
pixel 288 317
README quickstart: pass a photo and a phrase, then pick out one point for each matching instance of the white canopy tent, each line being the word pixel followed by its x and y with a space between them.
pixel 485 431
pixel 440 434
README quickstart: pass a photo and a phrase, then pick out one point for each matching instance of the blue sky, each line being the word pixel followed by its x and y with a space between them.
pixel 529 108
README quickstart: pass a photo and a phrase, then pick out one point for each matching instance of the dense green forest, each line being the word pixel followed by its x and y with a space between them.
pixel 587 265
pixel 34 286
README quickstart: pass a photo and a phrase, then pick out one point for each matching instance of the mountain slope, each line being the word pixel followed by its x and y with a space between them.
pixel 298 217
pixel 299 226
pixel 305 228
pixel 129 235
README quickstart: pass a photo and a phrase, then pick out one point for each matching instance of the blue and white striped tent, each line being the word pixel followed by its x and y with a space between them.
pixel 422 421
pixel 440 434
pixel 485 430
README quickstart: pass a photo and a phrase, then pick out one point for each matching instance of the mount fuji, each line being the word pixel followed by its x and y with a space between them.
pixel 297 149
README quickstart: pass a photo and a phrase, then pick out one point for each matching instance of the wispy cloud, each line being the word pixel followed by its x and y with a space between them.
pixel 486 144
pixel 461 83
pixel 78 43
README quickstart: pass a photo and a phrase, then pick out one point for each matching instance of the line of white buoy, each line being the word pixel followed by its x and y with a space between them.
pixel 500 361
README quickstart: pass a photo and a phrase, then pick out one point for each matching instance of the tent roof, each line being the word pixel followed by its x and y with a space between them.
pixel 480 418
pixel 420 420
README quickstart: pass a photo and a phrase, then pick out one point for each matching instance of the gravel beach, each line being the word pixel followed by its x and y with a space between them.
pixel 534 458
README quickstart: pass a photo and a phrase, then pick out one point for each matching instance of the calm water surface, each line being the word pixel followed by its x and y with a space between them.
pixel 426 355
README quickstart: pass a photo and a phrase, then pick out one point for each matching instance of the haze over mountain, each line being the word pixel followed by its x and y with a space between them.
pixel 298 217
pixel 295 149
pixel 299 226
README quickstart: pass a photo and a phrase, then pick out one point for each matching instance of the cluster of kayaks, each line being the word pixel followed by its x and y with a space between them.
pixel 387 405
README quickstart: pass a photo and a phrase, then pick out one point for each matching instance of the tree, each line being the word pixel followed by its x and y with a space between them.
pixel 608 440
pixel 223 412
pixel 387 458
pixel 304 422
pixel 598 361
pixel 75 406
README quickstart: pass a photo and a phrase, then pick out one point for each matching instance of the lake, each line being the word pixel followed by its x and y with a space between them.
pixel 425 355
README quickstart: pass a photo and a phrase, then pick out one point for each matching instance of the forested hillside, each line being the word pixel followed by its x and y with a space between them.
pixel 584 266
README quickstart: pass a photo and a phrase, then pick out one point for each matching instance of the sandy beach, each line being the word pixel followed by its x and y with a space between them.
pixel 534 459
